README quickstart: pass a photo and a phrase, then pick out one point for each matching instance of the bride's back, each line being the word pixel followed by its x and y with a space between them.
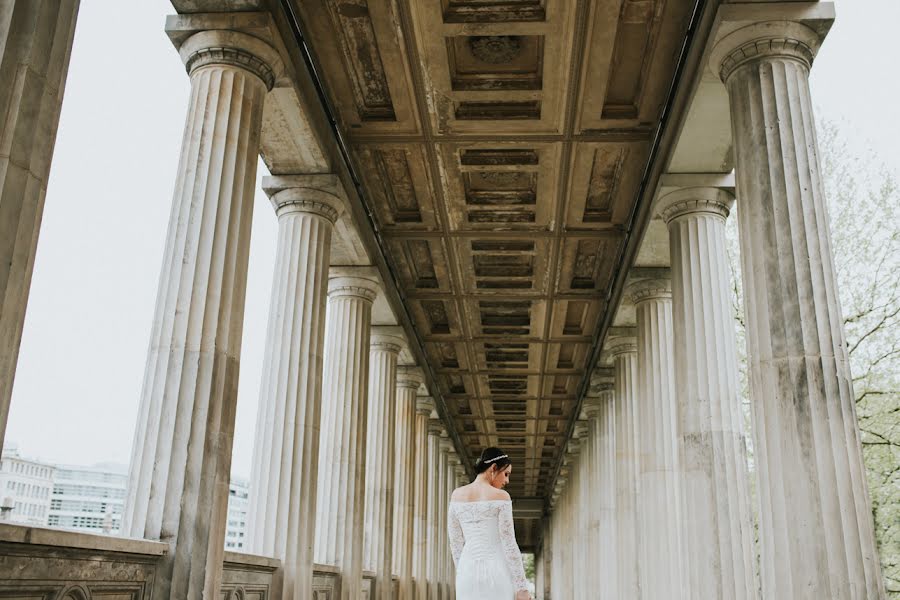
pixel 475 492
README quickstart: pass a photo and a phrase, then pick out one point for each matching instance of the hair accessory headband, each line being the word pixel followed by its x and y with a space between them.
pixel 490 460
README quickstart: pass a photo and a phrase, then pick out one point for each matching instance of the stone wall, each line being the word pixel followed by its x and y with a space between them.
pixel 38 562
pixel 44 563
pixel 249 577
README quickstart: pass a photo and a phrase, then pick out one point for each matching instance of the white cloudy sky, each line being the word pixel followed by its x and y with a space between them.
pixel 88 323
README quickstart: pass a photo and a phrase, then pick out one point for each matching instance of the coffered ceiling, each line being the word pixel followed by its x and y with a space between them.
pixel 501 146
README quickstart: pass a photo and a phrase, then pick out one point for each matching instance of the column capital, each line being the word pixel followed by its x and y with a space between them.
pixel 320 195
pixel 412 378
pixel 649 289
pixel 765 40
pixel 234 49
pixel 360 282
pixel 590 408
pixel 424 406
pixel 694 201
pixel 621 345
pixel 389 338
pixel 435 427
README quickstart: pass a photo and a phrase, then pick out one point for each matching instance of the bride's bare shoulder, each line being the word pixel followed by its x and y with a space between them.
pixel 474 493
pixel 461 493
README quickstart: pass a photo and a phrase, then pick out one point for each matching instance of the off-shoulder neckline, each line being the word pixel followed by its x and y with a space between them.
pixel 476 501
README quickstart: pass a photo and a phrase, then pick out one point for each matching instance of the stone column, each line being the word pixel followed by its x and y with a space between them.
pixel 181 459
pixel 601 572
pixel 385 346
pixel 545 588
pixel 286 449
pixel 816 531
pixel 625 406
pixel 718 530
pixel 35 45
pixel 452 464
pixel 406 474
pixel 340 504
pixel 659 502
pixel 443 499
pixel 420 497
pixel 579 493
pixel 431 518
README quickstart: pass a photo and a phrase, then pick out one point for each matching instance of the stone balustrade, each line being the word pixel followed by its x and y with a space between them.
pixel 70 565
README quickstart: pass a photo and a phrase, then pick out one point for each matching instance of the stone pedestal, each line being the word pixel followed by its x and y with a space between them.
pixel 281 516
pixel 625 399
pixel 718 530
pixel 340 504
pixel 406 474
pixel 385 346
pixel 659 498
pixel 815 528
pixel 421 531
pixel 181 460
pixel 35 45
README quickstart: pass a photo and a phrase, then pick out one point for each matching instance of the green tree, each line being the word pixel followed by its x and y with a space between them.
pixel 864 213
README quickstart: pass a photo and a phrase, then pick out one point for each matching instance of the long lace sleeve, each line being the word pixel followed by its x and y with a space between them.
pixel 510 548
pixel 455 534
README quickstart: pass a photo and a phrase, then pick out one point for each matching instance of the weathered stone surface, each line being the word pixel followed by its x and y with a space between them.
pixel 281 515
pixel 659 496
pixel 409 379
pixel 421 506
pixel 625 399
pixel 181 459
pixel 715 486
pixel 39 562
pixel 35 45
pixel 815 520
pixel 381 434
pixel 340 505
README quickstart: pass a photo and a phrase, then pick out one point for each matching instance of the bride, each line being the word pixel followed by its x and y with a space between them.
pixel 482 538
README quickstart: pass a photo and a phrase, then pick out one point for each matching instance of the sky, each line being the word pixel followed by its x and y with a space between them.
pixel 87 328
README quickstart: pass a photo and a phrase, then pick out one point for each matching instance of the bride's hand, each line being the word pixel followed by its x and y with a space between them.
pixel 523 595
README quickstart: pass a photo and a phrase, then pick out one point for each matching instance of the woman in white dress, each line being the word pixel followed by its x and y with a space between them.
pixel 482 538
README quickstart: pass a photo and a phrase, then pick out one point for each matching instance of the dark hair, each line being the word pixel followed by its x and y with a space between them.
pixel 490 457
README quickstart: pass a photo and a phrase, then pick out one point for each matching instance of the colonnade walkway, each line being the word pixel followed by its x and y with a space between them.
pixel 620 409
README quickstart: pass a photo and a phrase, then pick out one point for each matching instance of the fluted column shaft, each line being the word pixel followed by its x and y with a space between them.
pixel 602 567
pixel 715 487
pixel 545 586
pixel 380 452
pixel 340 504
pixel 443 499
pixel 816 531
pixel 420 499
pixel 582 505
pixel 181 459
pixel 406 473
pixel 450 568
pixel 659 501
pixel 434 508
pixel 286 448
pixel 35 45
pixel 625 399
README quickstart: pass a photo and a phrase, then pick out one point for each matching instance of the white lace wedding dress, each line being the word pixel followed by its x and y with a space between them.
pixel 487 557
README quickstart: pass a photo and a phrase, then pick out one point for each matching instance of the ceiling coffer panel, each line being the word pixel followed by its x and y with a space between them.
pixel 501 147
